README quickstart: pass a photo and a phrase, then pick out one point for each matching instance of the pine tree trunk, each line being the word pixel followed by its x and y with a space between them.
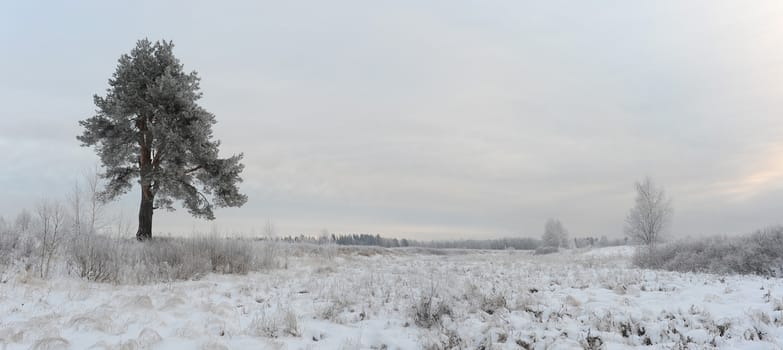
pixel 145 216
pixel 145 166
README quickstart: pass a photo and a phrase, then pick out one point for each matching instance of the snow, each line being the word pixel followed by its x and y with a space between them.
pixel 367 300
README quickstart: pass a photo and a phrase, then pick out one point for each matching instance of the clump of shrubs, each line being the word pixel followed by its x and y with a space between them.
pixel 95 258
pixel 760 253
pixel 430 311
pixel 103 259
pixel 14 247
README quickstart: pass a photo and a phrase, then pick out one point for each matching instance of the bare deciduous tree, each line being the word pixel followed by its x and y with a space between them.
pixel 84 203
pixel 76 203
pixel 95 205
pixel 651 216
pixel 270 232
pixel 555 234
pixel 51 217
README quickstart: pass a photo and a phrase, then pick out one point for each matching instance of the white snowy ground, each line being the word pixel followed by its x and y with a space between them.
pixel 367 299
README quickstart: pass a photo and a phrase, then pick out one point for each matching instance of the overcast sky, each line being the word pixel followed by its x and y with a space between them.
pixel 442 119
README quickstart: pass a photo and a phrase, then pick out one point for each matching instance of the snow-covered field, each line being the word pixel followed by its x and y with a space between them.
pixel 404 299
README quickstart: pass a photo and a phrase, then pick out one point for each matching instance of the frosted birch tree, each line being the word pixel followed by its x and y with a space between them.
pixel 555 234
pixel 650 216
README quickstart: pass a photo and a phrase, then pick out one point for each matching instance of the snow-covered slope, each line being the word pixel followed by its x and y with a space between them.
pixel 398 299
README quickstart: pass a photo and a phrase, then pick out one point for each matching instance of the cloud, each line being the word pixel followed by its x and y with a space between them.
pixel 430 120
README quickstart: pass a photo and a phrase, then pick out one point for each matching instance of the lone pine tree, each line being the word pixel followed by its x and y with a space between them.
pixel 149 126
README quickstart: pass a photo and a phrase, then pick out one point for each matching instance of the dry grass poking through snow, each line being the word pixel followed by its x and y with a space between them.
pixel 103 259
pixel 354 298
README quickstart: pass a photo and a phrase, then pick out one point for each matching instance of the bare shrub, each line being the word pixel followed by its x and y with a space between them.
pixel 9 241
pixel 291 323
pixel 14 247
pixel 95 258
pixel 493 303
pixel 429 310
pixel 592 342
pixel 274 324
pixel 332 311
pixel 447 339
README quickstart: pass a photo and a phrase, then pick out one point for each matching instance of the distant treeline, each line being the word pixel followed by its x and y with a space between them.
pixel 496 244
pixel 582 242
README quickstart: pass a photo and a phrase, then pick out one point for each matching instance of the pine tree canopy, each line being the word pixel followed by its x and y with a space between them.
pixel 149 127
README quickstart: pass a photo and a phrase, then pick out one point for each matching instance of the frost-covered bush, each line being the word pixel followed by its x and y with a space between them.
pixel 760 253
pixel 15 247
pixel 429 310
pixel 446 339
pixel 95 258
pixel 275 323
pixel 9 241
pixel 104 259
